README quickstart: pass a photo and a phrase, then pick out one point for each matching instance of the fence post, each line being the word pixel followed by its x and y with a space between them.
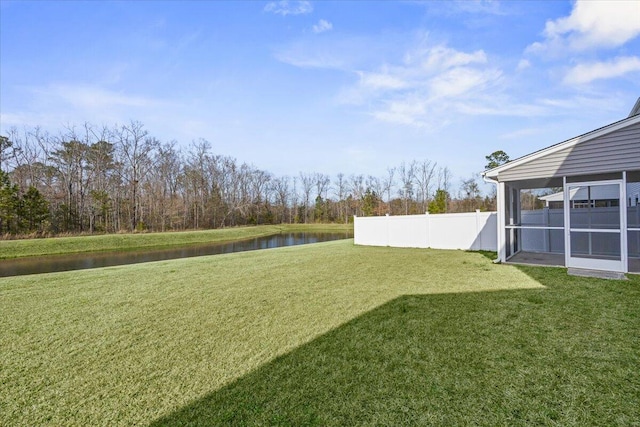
pixel 355 230
pixel 428 236
pixel 386 229
pixel 478 232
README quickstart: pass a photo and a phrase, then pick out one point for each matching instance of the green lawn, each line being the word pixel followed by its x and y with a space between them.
pixel 325 334
pixel 137 241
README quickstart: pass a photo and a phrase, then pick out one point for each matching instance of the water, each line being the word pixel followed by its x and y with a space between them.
pixel 53 263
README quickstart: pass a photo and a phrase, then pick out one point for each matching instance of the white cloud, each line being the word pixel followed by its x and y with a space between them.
pixel 27 119
pixel 502 106
pixel 466 7
pixel 460 81
pixel 409 109
pixel 285 7
pixel 58 103
pixel 608 101
pixel 322 26
pixel 317 60
pixel 591 24
pixel 329 52
pixel 427 88
pixel 418 84
pixel 517 134
pixel 381 81
pixel 523 65
pixel 91 97
pixel 442 57
pixel 491 7
pixel 586 73
pixel 435 67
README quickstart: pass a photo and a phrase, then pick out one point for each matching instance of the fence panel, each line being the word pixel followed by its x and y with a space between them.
pixel 408 231
pixel 374 231
pixel 474 231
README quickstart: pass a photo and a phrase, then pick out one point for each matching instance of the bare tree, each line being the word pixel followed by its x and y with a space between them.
pixel 444 178
pixel 135 149
pixel 356 187
pixel 165 182
pixel 69 157
pixel 23 152
pixel 307 180
pixel 341 194
pixel 259 196
pixel 375 187
pixel 280 187
pixel 322 183
pixel 101 166
pixel 387 184
pixel 444 183
pixel 123 178
pixel 470 194
pixel 198 179
pixel 293 206
pixel 424 176
pixel 407 176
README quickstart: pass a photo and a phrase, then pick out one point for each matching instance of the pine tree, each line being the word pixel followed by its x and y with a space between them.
pixel 370 202
pixel 439 202
pixel 34 210
pixel 9 205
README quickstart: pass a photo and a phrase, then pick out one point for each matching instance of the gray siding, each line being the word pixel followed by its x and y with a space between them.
pixel 614 152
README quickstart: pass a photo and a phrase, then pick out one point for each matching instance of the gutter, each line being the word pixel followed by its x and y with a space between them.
pixel 488 180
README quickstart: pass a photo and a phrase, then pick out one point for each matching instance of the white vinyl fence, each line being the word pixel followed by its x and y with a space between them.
pixel 541 230
pixel 469 231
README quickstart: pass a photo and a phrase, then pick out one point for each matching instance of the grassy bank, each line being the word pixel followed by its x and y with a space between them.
pixel 134 241
pixel 325 334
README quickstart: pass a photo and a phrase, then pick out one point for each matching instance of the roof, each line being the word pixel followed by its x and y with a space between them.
pixel 633 118
pixel 597 193
pixel 636 109
pixel 600 193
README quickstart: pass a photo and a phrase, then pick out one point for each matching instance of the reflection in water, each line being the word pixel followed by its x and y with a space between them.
pixel 49 264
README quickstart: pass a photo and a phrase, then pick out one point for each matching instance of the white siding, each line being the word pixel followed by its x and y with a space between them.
pixel 614 152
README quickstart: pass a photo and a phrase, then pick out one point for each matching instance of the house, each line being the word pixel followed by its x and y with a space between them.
pixel 600 196
pixel 594 222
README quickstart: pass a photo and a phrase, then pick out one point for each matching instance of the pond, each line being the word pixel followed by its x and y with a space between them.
pixel 53 263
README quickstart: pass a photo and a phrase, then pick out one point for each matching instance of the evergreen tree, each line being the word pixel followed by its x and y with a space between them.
pixel 34 210
pixel 439 202
pixel 5 145
pixel 496 159
pixel 370 202
pixel 320 211
pixel 9 204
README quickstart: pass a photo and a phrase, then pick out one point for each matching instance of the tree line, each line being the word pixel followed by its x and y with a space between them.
pixel 121 178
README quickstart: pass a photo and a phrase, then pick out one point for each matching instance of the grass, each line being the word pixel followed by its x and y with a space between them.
pixel 136 241
pixel 325 334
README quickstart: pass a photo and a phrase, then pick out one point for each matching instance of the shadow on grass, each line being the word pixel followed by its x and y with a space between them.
pixel 491 255
pixel 564 355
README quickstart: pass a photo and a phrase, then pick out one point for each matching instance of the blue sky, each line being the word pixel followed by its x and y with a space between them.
pixel 351 87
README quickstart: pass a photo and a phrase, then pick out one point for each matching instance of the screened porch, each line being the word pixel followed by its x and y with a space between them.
pixel 603 216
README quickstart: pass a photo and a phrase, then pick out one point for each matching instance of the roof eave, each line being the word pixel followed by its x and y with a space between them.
pixel 636 109
pixel 631 120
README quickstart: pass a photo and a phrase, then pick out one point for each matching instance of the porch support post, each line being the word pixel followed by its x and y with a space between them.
pixel 623 223
pixel 501 211
pixel 567 225
pixel 514 219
